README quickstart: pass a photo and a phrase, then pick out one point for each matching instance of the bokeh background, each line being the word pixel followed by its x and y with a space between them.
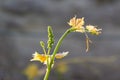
pixel 23 23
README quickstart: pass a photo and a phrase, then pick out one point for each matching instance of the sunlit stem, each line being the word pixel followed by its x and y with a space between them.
pixel 59 43
pixel 44 50
pixel 48 52
pixel 55 51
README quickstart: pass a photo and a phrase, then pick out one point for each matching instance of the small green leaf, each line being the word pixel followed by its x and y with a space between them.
pixel 42 44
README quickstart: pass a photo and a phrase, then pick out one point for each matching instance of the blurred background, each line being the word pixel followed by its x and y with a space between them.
pixel 23 23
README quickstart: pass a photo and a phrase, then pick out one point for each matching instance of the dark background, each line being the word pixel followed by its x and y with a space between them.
pixel 23 23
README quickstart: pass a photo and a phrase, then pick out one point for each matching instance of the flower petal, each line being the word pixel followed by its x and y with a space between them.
pixel 61 55
pixel 93 30
pixel 38 57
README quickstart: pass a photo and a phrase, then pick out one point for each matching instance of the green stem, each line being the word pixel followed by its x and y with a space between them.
pixel 47 74
pixel 48 51
pixel 47 58
pixel 59 43
pixel 54 53
pixel 44 50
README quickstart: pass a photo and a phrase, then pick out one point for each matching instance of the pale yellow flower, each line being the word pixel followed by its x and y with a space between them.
pixel 39 57
pixel 31 71
pixel 93 30
pixel 77 24
pixel 62 67
pixel 43 58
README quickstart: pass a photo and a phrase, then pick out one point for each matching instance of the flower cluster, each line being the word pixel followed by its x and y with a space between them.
pixel 78 25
